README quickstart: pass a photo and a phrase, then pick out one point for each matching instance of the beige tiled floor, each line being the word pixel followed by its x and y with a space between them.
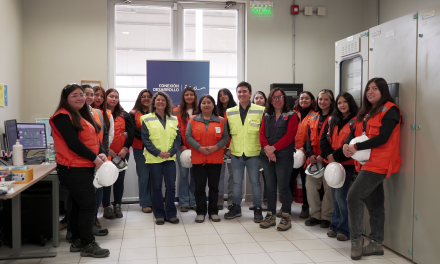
pixel 135 239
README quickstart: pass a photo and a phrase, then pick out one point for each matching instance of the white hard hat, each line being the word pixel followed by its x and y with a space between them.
pixel 334 175
pixel 362 155
pixel 298 159
pixel 315 170
pixel 106 175
pixel 185 158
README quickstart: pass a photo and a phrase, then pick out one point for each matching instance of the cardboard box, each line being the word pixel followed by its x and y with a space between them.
pixel 19 176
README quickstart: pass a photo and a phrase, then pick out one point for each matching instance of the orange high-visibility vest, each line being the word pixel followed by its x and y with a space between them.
pixel 301 133
pixel 337 140
pixel 182 125
pixel 205 138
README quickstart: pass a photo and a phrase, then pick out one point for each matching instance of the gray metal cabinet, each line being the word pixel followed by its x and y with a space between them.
pixel 393 56
pixel 427 182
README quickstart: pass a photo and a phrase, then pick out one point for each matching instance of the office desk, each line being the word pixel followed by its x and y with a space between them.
pixel 41 173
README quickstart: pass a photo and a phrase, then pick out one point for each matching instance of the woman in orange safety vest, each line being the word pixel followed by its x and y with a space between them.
pixel 207 135
pixel 79 153
pixel 379 119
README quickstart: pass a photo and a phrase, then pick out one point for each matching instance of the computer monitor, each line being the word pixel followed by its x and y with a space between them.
pixel 48 129
pixel 32 135
pixel 11 133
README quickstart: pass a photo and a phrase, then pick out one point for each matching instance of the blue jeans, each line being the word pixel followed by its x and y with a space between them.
pixel 339 221
pixel 144 183
pixel 159 172
pixel 252 165
pixel 118 188
pixel 186 188
pixel 221 185
pixel 98 194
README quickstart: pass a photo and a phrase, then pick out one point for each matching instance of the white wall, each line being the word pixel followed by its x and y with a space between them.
pixel 65 42
pixel 12 59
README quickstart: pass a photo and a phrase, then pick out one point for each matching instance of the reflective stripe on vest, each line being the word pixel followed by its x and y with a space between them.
pixel 384 159
pixel 245 138
pixel 119 138
pixel 162 138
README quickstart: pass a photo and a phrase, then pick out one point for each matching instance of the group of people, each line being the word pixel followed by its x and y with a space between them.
pixel 90 127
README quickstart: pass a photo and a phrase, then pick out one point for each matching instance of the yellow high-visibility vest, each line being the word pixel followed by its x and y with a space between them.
pixel 162 138
pixel 245 138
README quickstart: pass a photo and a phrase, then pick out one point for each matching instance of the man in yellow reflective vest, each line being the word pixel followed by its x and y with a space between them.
pixel 244 125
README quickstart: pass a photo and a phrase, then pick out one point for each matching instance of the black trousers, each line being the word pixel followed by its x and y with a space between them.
pixel 79 182
pixel 293 176
pixel 206 173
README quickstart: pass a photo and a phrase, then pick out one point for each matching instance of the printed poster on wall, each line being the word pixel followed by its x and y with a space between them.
pixel 2 95
pixel 172 76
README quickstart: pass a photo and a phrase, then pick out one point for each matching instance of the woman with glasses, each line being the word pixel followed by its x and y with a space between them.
pixel 225 100
pixel 335 133
pixel 123 138
pixel 305 109
pixel 141 107
pixel 207 135
pixel 320 212
pixel 161 138
pixel 79 153
pixel 188 104
pixel 277 139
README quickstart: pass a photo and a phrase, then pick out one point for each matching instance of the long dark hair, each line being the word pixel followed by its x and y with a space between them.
pixel 103 106
pixel 138 105
pixel 332 101
pixel 259 92
pixel 168 108
pixel 231 102
pixel 199 108
pixel 337 115
pixel 118 110
pixel 269 107
pixel 183 113
pixel 76 115
pixel 367 107
pixel 297 107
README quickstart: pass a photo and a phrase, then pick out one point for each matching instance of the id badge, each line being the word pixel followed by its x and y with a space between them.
pixel 218 130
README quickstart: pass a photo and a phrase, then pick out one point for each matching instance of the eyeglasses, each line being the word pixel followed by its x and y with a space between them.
pixel 276 98
pixel 77 95
pixel 148 96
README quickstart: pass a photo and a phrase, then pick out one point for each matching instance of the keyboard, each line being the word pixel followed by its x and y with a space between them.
pixel 36 160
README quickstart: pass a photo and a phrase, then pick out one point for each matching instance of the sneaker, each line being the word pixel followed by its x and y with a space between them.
pixel 258 214
pixel 109 213
pixel 160 221
pixel 279 213
pixel 118 212
pixel 184 208
pixel 312 222
pixel 193 208
pixel 219 207
pixel 214 218
pixel 234 212
pixel 325 224
pixel 97 223
pixel 304 212
pixel 76 245
pixel 174 220
pixel 69 236
pixel 251 207
pixel 63 223
pixel 331 233
pixel 94 250
pixel 97 231
pixel 357 248
pixel 341 237
pixel 373 248
pixel 147 209
pixel 200 219
pixel 285 223
pixel 269 221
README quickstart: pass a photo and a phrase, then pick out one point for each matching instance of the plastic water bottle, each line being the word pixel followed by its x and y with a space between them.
pixel 47 155
pixel 52 159
pixel 17 154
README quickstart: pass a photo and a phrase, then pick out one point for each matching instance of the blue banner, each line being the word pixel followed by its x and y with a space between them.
pixel 172 77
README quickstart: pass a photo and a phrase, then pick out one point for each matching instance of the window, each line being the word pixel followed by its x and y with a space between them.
pixel 165 31
pixel 351 78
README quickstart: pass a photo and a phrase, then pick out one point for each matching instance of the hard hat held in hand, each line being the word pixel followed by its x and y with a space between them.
pixel 106 175
pixel 334 175
pixel 185 158
pixel 298 159
pixel 362 155
pixel 315 170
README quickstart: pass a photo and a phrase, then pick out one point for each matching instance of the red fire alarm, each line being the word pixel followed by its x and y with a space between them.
pixel 294 9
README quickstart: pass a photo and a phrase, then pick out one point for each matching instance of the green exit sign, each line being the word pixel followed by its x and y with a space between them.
pixel 261 8
pixel 261 11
